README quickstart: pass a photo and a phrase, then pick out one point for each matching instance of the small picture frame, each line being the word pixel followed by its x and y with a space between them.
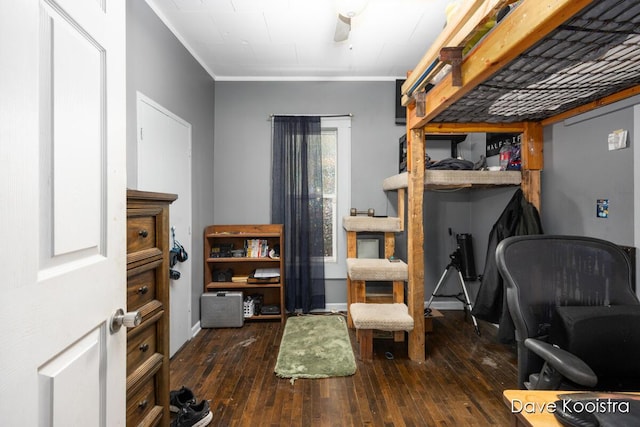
pixel 602 208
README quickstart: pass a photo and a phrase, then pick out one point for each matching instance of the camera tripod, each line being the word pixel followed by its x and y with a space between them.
pixel 457 264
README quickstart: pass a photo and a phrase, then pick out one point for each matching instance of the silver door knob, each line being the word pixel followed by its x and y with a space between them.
pixel 128 320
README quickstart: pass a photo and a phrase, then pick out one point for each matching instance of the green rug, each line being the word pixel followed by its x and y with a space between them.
pixel 315 346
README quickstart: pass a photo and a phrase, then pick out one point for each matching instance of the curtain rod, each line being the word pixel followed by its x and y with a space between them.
pixel 320 115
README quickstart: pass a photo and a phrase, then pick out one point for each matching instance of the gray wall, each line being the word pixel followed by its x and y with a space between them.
pixel 576 166
pixel 243 145
pixel 242 162
pixel 243 150
pixel 161 68
pixel 579 169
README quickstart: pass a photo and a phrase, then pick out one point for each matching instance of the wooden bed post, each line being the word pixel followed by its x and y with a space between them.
pixel 352 252
pixel 401 206
pixel 415 238
pixel 532 161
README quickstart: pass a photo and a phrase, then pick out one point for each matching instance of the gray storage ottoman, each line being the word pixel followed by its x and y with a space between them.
pixel 221 309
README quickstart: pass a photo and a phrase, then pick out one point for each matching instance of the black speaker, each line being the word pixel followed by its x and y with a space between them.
pixel 468 264
pixel 219 275
pixel 401 112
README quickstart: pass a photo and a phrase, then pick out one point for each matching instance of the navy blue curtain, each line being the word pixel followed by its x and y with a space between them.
pixel 296 202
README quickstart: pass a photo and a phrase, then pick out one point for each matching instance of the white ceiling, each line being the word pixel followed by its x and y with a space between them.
pixel 293 39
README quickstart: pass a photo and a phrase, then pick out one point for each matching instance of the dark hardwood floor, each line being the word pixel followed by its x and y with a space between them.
pixel 460 383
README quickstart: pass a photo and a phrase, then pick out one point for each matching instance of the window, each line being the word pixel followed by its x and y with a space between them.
pixel 329 191
pixel 336 162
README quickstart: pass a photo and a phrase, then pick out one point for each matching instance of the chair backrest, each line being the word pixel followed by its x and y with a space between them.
pixel 544 271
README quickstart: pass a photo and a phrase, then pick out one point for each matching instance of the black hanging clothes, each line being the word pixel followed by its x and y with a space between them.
pixel 518 218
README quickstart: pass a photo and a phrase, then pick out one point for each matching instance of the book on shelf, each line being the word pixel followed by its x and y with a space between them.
pixel 239 279
pixel 264 275
pixel 256 248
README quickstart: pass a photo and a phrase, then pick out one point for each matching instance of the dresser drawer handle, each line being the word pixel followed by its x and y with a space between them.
pixel 143 404
pixel 144 347
pixel 143 233
pixel 143 290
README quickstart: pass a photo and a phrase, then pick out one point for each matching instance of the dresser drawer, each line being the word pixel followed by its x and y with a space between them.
pixel 142 284
pixel 141 346
pixel 140 404
pixel 141 230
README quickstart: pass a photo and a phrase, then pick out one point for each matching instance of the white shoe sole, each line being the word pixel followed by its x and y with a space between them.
pixel 205 421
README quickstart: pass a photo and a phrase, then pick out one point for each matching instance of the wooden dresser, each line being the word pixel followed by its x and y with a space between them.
pixel 148 292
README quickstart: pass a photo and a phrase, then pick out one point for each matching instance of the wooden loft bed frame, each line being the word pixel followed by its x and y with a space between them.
pixel 532 26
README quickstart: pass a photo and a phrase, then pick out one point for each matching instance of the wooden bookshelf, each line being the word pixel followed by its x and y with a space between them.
pixel 227 265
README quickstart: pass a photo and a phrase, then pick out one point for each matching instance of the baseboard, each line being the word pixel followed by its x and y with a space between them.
pixel 446 305
pixel 334 307
pixel 195 329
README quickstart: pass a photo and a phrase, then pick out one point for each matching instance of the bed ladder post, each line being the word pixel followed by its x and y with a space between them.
pixel 352 252
pixel 401 207
pixel 415 238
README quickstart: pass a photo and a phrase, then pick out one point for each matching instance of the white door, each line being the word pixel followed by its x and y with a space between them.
pixel 62 212
pixel 164 165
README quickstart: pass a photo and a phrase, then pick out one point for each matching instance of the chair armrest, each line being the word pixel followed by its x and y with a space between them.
pixel 568 365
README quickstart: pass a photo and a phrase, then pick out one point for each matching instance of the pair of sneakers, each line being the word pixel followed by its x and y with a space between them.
pixel 188 412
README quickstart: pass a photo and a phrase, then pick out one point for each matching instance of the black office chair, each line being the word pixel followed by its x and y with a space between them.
pixel 576 316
